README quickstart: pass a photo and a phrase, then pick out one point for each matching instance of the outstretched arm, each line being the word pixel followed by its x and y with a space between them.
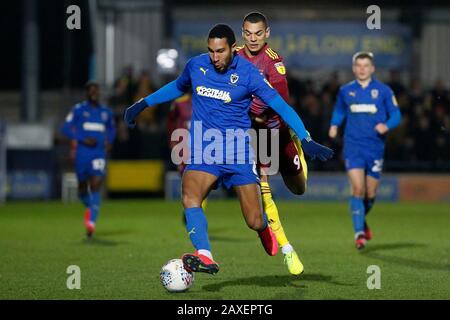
pixel 311 148
pixel 166 93
pixel 261 88
pixel 289 116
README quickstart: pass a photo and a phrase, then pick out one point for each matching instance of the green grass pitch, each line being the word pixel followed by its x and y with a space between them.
pixel 38 241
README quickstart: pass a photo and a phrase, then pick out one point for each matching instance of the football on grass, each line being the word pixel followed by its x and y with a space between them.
pixel 174 277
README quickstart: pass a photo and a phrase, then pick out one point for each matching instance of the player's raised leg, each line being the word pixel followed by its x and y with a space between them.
pixel 357 181
pixel 369 200
pixel 294 171
pixel 291 258
pixel 196 186
pixel 251 205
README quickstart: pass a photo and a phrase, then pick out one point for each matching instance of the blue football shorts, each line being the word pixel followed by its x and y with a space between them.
pixel 369 160
pixel 229 175
pixel 88 165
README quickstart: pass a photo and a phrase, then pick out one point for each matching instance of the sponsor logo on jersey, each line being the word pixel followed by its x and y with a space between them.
pixel 366 108
pixel 213 93
pixel 234 78
pixel 204 71
pixel 280 68
pixel 94 126
pixel 374 93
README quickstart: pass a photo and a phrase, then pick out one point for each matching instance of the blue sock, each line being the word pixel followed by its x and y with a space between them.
pixel 357 210
pixel 85 198
pixel 95 206
pixel 197 228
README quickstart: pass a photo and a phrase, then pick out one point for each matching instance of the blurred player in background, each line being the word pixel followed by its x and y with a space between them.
pixel 222 84
pixel 293 168
pixel 91 128
pixel 370 110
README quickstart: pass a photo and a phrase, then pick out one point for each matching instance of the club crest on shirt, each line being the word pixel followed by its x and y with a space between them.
pixel 352 93
pixel 104 116
pixel 86 114
pixel 234 78
pixel 374 93
pixel 280 68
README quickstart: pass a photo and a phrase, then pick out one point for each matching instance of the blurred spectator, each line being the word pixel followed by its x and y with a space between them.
pixel 332 86
pixel 440 100
pixel 179 118
pixel 144 86
pixel 127 143
pixel 312 116
pixel 147 118
pixel 423 137
pixel 395 82
pixel 421 142
pixel 124 89
pixel 416 93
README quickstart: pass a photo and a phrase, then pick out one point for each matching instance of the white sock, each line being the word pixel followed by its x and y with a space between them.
pixel 357 234
pixel 287 248
pixel 206 253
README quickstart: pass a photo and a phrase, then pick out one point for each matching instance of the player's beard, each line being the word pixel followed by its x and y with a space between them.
pixel 221 68
pixel 224 66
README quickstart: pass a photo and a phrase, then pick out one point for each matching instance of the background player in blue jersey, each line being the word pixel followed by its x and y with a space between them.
pixel 370 110
pixel 90 126
pixel 222 85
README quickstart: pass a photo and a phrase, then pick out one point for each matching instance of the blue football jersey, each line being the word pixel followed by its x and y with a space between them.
pixel 85 121
pixel 363 109
pixel 221 101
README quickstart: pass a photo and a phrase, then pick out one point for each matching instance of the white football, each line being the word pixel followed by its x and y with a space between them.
pixel 174 277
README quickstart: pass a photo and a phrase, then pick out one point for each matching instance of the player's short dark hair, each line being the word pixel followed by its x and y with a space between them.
pixel 363 55
pixel 91 83
pixel 222 31
pixel 255 17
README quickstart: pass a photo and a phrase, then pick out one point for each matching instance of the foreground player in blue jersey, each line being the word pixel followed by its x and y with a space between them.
pixel 222 84
pixel 90 126
pixel 370 110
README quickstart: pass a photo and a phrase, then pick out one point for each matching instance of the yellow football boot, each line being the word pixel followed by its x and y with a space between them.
pixel 293 263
